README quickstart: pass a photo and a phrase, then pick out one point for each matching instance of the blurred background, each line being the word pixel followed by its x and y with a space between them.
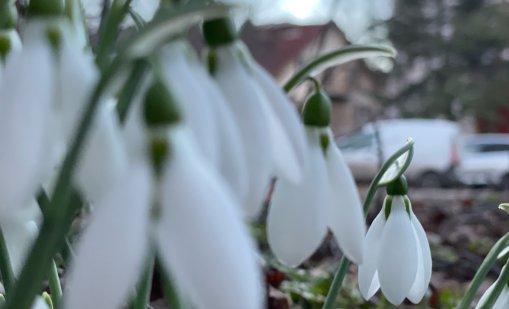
pixel 448 89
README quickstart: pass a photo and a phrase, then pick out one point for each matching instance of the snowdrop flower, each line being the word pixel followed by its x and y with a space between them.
pixel 272 134
pixel 25 104
pixel 502 300
pixel 172 201
pixel 397 256
pixel 300 214
pixel 231 157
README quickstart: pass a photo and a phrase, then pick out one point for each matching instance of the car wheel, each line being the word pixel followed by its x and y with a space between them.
pixel 430 180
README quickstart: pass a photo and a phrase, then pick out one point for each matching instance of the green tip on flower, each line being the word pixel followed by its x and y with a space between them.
pixel 160 108
pixel 8 15
pixel 211 62
pixel 159 149
pixel 5 47
pixel 317 109
pixel 324 142
pixel 45 8
pixel 54 36
pixel 218 32
pixel 47 299
pixel 398 186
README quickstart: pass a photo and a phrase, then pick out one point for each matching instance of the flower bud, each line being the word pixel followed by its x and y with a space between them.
pixel 160 108
pixel 317 109
pixel 398 186
pixel 218 32
pixel 45 8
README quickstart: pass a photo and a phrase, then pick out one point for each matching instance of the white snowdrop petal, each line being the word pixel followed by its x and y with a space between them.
pixel 484 297
pixel 76 77
pixel 368 276
pixel 25 104
pixel 426 252
pixel 289 139
pixel 419 287
pixel 19 233
pixel 397 260
pixel 297 218
pixel 111 252
pixel 192 100
pixel 232 159
pixel 346 219
pixel 246 103
pixel 201 237
pixel 104 157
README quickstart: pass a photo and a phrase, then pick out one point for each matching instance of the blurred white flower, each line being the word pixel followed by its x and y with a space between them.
pixel 19 233
pixel 26 95
pixel 397 256
pixel 299 215
pixel 187 213
pixel 502 300
pixel 272 135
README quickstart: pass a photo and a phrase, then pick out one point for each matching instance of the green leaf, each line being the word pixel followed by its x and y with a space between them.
pixel 397 164
pixel 337 57
pixel 169 23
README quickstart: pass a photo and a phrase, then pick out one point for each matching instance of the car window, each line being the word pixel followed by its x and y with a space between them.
pixel 356 141
pixel 486 147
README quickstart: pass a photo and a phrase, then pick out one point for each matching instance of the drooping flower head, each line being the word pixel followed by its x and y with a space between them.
pixel 272 135
pixel 300 214
pixel 172 201
pixel 397 254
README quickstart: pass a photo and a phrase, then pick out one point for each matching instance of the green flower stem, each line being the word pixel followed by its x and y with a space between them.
pixel 143 292
pixel 54 285
pixel 483 270
pixel 337 57
pixel 332 295
pixel 108 31
pixel 5 265
pixel 130 88
pixel 497 289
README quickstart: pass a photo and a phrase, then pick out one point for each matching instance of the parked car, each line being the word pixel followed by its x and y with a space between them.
pixel 484 160
pixel 435 149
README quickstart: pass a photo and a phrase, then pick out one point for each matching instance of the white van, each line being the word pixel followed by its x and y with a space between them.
pixel 435 152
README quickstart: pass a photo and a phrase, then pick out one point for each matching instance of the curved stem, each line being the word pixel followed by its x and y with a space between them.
pixel 338 57
pixel 373 186
pixel 5 265
pixel 497 288
pixel 483 270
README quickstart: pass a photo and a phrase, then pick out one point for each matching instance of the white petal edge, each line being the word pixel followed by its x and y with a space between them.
pixel 297 218
pixel 191 98
pixel 346 219
pixel 201 237
pixel 111 252
pixel 104 158
pixel 289 136
pixel 367 274
pixel 246 102
pixel 24 119
pixel 397 260
pixel 424 271
pixel 232 159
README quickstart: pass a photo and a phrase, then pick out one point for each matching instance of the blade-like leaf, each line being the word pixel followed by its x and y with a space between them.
pixel 338 57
